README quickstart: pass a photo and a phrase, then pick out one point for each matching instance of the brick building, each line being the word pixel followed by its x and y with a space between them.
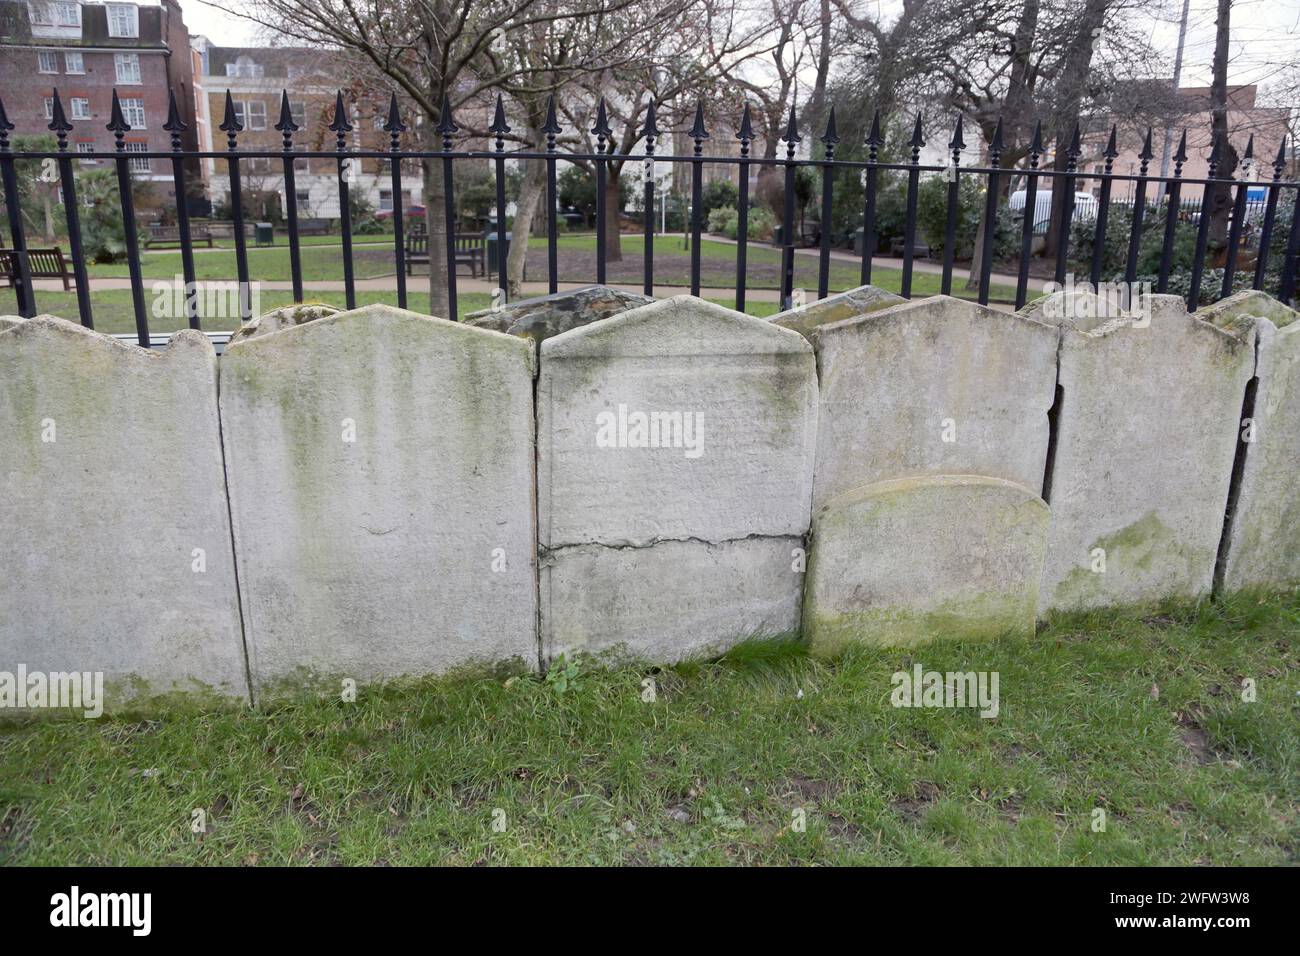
pixel 85 50
pixel 255 77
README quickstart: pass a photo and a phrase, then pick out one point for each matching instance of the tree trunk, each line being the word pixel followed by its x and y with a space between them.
pixel 1220 198
pixel 531 190
pixel 613 235
pixel 435 217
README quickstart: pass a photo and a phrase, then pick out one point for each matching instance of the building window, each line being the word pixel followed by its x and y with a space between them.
pixel 123 20
pixel 139 164
pixel 133 112
pixel 255 111
pixel 303 195
pixel 80 108
pixel 128 68
pixel 73 62
pixel 86 148
pixel 259 164
pixel 41 13
pixel 69 14
pixel 49 107
pixel 244 66
pixel 47 61
pixel 386 200
pixel 298 113
pixel 301 165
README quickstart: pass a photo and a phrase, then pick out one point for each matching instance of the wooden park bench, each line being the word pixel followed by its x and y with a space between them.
pixel 470 250
pixel 314 227
pixel 41 264
pixel 160 235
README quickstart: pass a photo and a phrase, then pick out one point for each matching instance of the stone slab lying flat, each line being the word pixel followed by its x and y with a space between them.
pixel 671 601
pixel 114 533
pixel 836 308
pixel 902 562
pixel 284 318
pixel 1147 432
pixel 543 316
pixel 935 386
pixel 729 408
pixel 381 484
pixel 1264 533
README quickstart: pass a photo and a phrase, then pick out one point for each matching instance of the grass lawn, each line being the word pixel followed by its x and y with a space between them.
pixel 323 260
pixel 1139 714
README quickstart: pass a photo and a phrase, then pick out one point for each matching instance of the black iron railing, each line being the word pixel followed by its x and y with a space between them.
pixel 1172 207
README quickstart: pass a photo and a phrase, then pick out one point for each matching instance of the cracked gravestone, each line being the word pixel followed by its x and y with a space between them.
pixel 277 319
pixel 675 447
pixel 1264 533
pixel 1146 435
pixel 836 308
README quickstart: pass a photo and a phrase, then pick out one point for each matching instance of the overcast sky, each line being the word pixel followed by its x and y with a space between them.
pixel 1264 33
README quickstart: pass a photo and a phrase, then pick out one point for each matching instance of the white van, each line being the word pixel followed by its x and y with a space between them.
pixel 1085 206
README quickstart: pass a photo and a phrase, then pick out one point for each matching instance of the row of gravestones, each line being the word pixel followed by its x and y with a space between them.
pixel 376 493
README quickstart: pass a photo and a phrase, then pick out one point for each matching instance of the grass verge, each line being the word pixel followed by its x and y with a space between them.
pixel 1137 714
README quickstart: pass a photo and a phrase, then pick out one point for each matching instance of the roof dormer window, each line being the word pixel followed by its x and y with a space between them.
pixel 123 20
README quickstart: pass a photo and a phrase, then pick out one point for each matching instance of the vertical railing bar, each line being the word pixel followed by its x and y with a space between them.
pixel 603 135
pixel 830 138
pixel 909 223
pixel 650 131
pixel 343 163
pixel 1238 218
pixel 1103 217
pixel 61 127
pixel 745 134
pixel 231 126
pixel 551 129
pixel 1139 212
pixel 1203 228
pixel 499 129
pixel 1291 256
pixel 395 127
pixel 1174 195
pixel 1270 213
pixel 118 126
pixel 286 127
pixel 698 134
pixel 23 290
pixel 955 146
pixel 448 128
pixel 1067 207
pixel 1030 213
pixel 874 142
pixel 787 222
pixel 990 215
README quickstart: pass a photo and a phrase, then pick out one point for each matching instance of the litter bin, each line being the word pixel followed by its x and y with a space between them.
pixel 490 236
pixel 264 234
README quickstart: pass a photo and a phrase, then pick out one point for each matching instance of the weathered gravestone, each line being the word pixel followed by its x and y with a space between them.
pixel 933 387
pixel 675 447
pixel 113 522
pixel 940 557
pixel 1264 526
pixel 381 486
pixel 1146 433
pixel 544 316
pixel 836 308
